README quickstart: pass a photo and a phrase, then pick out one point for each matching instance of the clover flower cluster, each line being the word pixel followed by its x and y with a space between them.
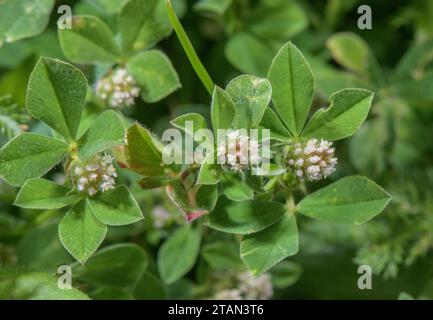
pixel 239 153
pixel 118 89
pixel 228 294
pixel 160 217
pixel 250 288
pixel 313 160
pixel 253 288
pixel 95 175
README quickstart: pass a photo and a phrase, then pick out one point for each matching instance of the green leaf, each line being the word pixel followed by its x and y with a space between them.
pixel 206 197
pixel 116 207
pixel 222 255
pixel 193 203
pixel 209 174
pixel 11 114
pixel 149 287
pixel 9 127
pixel 89 40
pixel 285 274
pixel 41 249
pixel 177 193
pixel 292 87
pixel 21 19
pixel 215 6
pixel 119 266
pixel 153 182
pixel 348 110
pixel 29 156
pixel 352 199
pixel 180 7
pixel 367 147
pixel 271 121
pixel 81 233
pixel 405 296
pixel 110 293
pixel 236 189
pixel 44 194
pixel 414 61
pixel 244 217
pixel 106 132
pixel 279 21
pixel 43 286
pixel 55 95
pixel 182 289
pixel 196 120
pixel 349 50
pixel 14 82
pixel 354 54
pixel 330 79
pixel 222 110
pixel 108 7
pixel 415 91
pixel 249 54
pixel 155 75
pixel 251 95
pixel 143 155
pixel 261 251
pixel 142 24
pixel 178 254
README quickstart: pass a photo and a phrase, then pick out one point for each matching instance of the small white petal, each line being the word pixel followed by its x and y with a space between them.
pixel 313 169
pixel 78 171
pixel 82 180
pixel 309 149
pixel 314 159
pixel 299 162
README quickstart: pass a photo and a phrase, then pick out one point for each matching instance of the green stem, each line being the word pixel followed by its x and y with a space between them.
pixel 189 49
pixel 290 203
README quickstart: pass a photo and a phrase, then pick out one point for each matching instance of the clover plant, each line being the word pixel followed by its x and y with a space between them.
pixel 234 200
pixel 245 181
pixel 56 94
pixel 134 67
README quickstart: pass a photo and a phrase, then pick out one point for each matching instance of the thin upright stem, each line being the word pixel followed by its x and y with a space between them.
pixel 189 49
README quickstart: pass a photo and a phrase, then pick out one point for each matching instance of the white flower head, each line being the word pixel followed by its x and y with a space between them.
pixel 228 294
pixel 253 288
pixel 118 89
pixel 313 160
pixel 97 174
pixel 238 152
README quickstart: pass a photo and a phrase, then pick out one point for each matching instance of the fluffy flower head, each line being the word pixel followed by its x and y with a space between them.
pixel 313 160
pixel 253 288
pixel 95 175
pixel 118 89
pixel 238 152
